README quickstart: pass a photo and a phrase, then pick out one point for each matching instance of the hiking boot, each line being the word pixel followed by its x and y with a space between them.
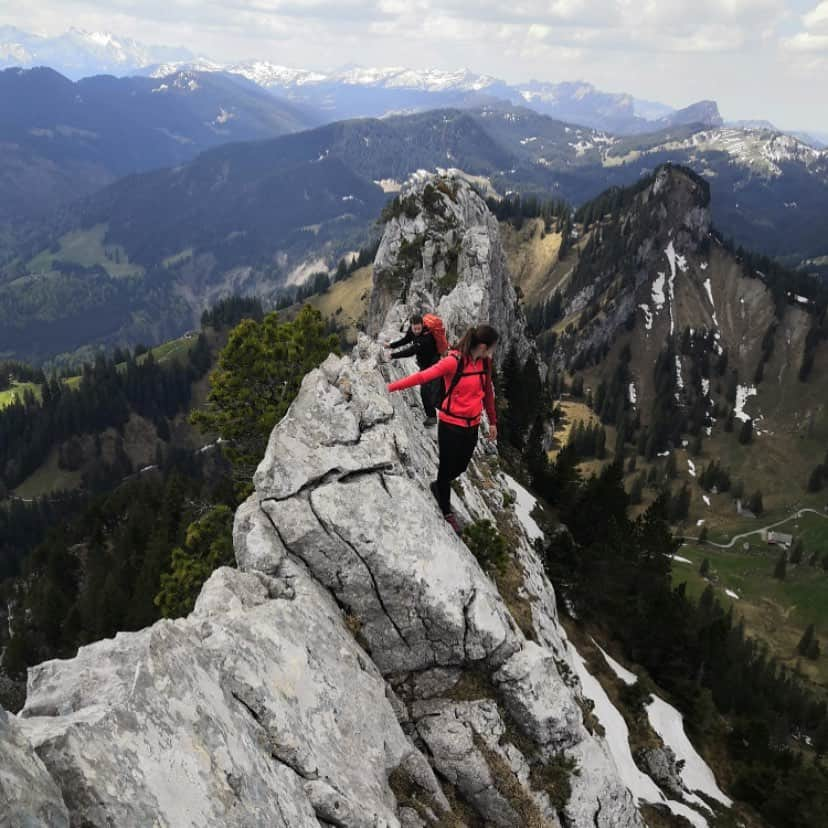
pixel 430 421
pixel 451 520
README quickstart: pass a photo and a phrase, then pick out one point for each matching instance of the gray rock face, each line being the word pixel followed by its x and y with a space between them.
pixel 250 711
pixel 443 254
pixel 29 797
pixel 661 765
pixel 354 508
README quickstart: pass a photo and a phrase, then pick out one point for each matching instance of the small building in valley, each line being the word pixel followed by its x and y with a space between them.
pixel 777 538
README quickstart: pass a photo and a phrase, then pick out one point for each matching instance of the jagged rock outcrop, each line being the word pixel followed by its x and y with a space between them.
pixel 359 668
pixel 661 764
pixel 441 252
pixel 28 794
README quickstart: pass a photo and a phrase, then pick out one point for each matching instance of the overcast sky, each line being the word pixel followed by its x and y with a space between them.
pixel 757 58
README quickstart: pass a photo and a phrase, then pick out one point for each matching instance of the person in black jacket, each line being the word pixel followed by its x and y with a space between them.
pixel 418 342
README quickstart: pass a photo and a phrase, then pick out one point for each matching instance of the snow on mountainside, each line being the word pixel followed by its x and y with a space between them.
pixel 78 53
pixel 761 150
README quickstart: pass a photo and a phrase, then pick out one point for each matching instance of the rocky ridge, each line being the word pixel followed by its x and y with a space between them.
pixel 359 668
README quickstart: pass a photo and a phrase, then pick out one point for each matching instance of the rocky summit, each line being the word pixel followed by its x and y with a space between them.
pixel 359 667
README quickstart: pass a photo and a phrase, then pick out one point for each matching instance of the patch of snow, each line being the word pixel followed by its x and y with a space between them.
pixel 389 185
pixel 708 286
pixel 524 504
pixel 526 141
pixel 679 378
pixel 648 317
pixel 224 116
pixel 680 559
pixel 731 594
pixel 803 300
pixel 617 736
pixel 703 265
pixel 705 384
pixel 691 467
pixel 706 500
pixel 348 198
pixel 700 522
pixel 622 672
pixel 664 453
pixel 743 392
pixel 674 260
pixel 632 395
pixel 695 773
pixel 658 291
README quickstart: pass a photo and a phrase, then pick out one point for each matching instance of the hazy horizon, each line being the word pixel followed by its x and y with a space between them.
pixel 759 59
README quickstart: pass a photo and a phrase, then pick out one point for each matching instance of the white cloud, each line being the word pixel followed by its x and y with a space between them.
pixel 806 42
pixel 817 18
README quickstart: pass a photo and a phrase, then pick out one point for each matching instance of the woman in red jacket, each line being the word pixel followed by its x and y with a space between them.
pixel 467 382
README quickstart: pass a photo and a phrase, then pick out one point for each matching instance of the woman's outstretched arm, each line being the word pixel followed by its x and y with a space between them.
pixel 446 366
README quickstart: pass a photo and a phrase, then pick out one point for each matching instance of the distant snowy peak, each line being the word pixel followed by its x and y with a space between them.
pixel 428 80
pixel 762 149
pixel 395 77
pixel 78 53
pixel 163 70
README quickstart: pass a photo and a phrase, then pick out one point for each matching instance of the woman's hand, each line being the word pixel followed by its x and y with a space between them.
pixel 493 432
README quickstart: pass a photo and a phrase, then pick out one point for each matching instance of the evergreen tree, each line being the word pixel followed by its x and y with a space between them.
pixel 208 545
pixel 815 481
pixel 780 570
pixel 746 432
pixel 704 569
pixel 258 376
pixel 797 551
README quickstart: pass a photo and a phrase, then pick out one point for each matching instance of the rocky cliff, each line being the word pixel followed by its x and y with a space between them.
pixel 359 668
pixel 441 252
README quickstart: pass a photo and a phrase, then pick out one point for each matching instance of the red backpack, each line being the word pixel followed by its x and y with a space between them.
pixel 435 326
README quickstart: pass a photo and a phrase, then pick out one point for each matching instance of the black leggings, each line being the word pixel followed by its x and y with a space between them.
pixel 456 444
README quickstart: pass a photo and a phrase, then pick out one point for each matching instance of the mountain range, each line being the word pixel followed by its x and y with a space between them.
pixel 353 91
pixel 375 92
pixel 78 53
pixel 253 217
pixel 63 139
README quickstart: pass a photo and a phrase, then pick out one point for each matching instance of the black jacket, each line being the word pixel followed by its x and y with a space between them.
pixel 423 348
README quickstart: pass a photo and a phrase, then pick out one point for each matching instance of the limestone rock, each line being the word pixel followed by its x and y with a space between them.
pixel 250 716
pixel 446 258
pixel 661 765
pixel 29 797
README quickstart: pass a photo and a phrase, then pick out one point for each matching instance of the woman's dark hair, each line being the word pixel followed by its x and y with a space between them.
pixel 479 335
pixel 416 319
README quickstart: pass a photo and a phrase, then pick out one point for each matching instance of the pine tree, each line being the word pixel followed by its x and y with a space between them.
pixel 805 641
pixel 746 432
pixel 704 569
pixel 637 489
pixel 797 551
pixel 780 570
pixel 815 481
pixel 703 535
pixel 258 376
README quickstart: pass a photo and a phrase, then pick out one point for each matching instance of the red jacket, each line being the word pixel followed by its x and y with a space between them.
pixel 472 393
